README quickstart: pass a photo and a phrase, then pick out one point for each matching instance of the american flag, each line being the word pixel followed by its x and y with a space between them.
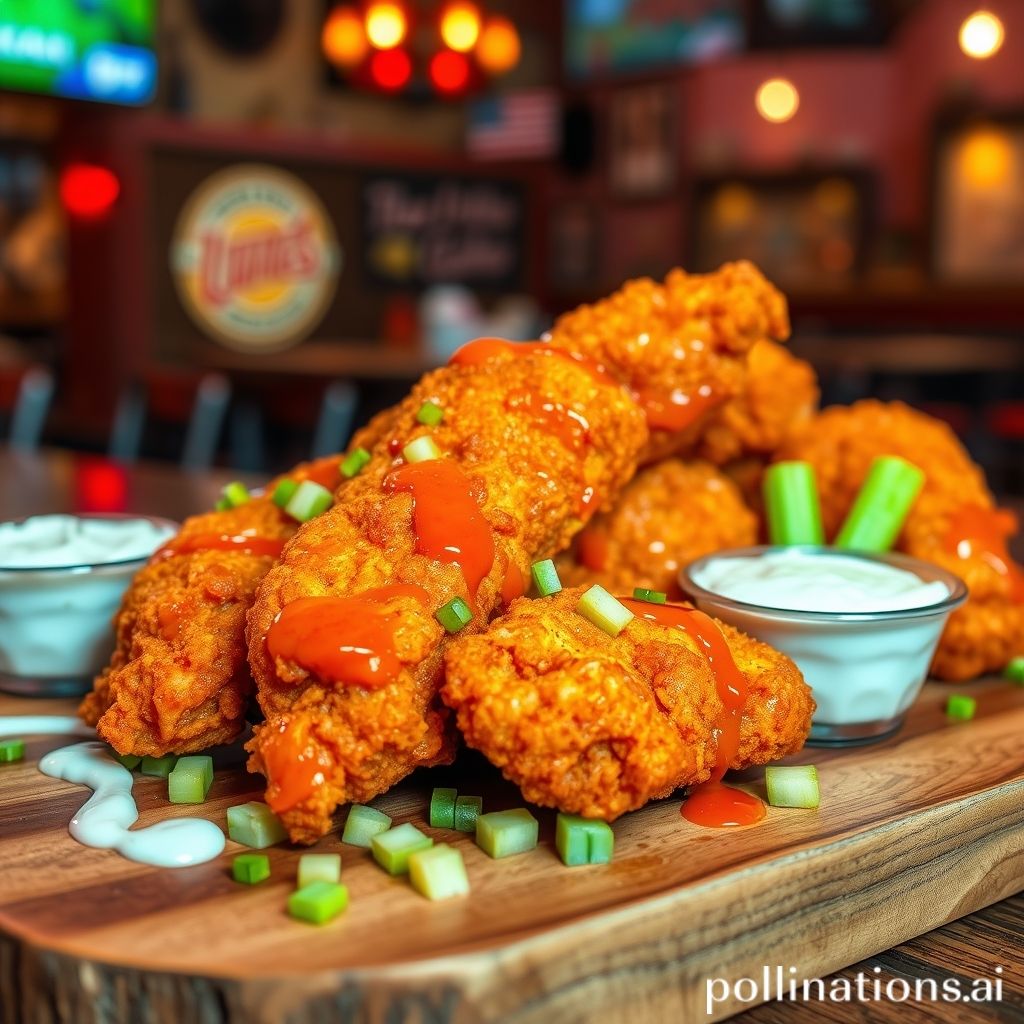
pixel 520 125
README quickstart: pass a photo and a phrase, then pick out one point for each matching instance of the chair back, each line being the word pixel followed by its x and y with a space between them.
pixel 337 415
pixel 31 407
pixel 213 396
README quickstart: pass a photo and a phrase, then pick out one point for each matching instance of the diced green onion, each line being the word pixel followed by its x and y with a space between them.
pixel 392 849
pixel 1014 670
pixel 438 873
pixel 353 463
pixel 604 611
pixel 422 449
pixel 318 902
pixel 881 506
pixel 11 751
pixel 129 761
pixel 961 708
pixel 308 501
pixel 650 596
pixel 467 810
pixel 442 808
pixel 254 824
pixel 250 868
pixel 284 492
pixel 222 505
pixel 505 833
pixel 430 414
pixel 791 504
pixel 545 578
pixel 235 493
pixel 792 785
pixel 159 767
pixel 583 840
pixel 190 780
pixel 362 824
pixel 454 615
pixel 319 867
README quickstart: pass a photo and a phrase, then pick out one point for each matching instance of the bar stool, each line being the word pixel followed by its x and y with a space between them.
pixel 334 424
pixel 31 407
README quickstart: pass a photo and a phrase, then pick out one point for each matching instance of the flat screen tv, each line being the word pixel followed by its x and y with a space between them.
pixel 99 50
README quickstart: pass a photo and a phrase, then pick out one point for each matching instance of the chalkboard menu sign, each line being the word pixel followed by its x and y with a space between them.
pixel 420 230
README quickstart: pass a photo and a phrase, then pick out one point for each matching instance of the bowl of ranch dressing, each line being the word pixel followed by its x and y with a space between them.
pixel 62 578
pixel 861 627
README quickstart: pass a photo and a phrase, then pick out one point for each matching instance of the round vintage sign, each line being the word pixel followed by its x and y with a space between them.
pixel 254 258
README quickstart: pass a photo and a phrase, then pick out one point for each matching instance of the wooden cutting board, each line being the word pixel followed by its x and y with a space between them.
pixel 912 833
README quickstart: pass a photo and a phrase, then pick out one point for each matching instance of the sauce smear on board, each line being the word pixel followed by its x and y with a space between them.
pixel 983 532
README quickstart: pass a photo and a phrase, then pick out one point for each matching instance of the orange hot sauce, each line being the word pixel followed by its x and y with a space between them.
pixel 514 585
pixel 984 532
pixel 556 418
pixel 674 411
pixel 246 543
pixel 484 349
pixel 293 767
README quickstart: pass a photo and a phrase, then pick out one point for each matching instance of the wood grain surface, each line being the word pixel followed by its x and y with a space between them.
pixel 912 833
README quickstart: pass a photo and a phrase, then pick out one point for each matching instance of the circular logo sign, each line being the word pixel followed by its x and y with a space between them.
pixel 254 258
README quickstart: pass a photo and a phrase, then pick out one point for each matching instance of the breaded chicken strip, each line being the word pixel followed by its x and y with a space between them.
pixel 599 725
pixel 954 522
pixel 668 515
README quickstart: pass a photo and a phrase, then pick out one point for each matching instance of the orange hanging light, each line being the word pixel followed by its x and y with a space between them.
pixel 460 25
pixel 386 24
pixel 343 38
pixel 498 48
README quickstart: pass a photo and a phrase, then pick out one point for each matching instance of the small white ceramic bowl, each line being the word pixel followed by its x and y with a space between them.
pixel 56 620
pixel 865 668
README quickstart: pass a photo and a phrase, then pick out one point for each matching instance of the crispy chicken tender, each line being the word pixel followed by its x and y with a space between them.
pixel 178 680
pixel 599 725
pixel 954 522
pixel 668 515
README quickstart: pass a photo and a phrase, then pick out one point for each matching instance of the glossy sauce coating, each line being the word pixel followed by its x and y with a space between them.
pixel 484 349
pixel 553 417
pixel 984 532
pixel 246 543
pixel 294 769
pixel 674 411
pixel 514 585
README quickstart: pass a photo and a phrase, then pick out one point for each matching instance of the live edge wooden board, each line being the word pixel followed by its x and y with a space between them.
pixel 912 833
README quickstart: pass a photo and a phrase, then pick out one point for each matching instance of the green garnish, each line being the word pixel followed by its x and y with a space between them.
pixel 129 761
pixel 222 505
pixel 255 824
pixel 792 785
pixel 881 507
pixel 250 868
pixel 604 611
pixel 319 867
pixel 422 449
pixel 438 873
pixel 159 767
pixel 650 596
pixel 583 840
pixel 362 824
pixel 505 833
pixel 442 808
pixel 467 810
pixel 1014 670
pixel 190 780
pixel 430 414
pixel 11 751
pixel 284 492
pixel 545 577
pixel 235 494
pixel 961 708
pixel 454 615
pixel 353 463
pixel 308 501
pixel 318 902
pixel 791 504
pixel 392 849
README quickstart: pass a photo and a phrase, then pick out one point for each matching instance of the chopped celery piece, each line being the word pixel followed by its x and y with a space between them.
pixel 604 611
pixel 363 824
pixel 319 867
pixel 353 463
pixel 250 868
pixel 422 449
pixel 1014 670
pixel 159 767
pixel 235 493
pixel 284 492
pixel 190 780
pixel 442 808
pixel 11 751
pixel 467 810
pixel 791 504
pixel 392 849
pixel 255 824
pixel 222 505
pixel 583 840
pixel 545 577
pixel 792 785
pixel 318 902
pixel 961 708
pixel 504 833
pixel 454 615
pixel 129 761
pixel 881 506
pixel 308 501
pixel 650 596
pixel 438 873
pixel 430 414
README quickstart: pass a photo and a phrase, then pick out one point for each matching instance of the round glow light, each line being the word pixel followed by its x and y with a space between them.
pixel 499 48
pixel 88 190
pixel 777 100
pixel 390 69
pixel 386 25
pixel 343 38
pixel 449 71
pixel 460 26
pixel 981 35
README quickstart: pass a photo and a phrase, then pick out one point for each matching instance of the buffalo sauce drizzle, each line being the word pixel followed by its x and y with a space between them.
pixel 513 585
pixel 712 804
pixel 485 349
pixel 293 766
pixel 675 410
pixel 245 542
pixel 555 418
pixel 983 533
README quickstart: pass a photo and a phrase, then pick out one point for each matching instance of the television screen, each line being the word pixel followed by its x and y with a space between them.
pixel 815 23
pixel 82 49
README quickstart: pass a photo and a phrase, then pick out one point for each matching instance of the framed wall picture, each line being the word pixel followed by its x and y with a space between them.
pixel 642 152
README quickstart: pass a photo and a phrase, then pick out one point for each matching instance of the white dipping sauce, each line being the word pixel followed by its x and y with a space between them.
pixel 52 541
pixel 820 582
